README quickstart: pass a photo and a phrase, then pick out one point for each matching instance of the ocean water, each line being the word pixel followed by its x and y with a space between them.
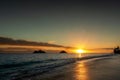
pixel 16 66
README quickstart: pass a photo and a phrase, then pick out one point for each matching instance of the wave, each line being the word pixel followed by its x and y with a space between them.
pixel 3 66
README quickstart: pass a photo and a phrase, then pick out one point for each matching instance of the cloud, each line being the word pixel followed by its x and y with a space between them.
pixel 101 49
pixel 11 41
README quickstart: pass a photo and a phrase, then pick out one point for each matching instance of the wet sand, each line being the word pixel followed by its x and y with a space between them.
pixel 104 68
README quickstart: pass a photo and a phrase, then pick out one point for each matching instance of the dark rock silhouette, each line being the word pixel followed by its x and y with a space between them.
pixel 39 51
pixel 63 51
pixel 117 50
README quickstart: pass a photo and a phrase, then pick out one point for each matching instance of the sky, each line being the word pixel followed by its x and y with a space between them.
pixel 76 23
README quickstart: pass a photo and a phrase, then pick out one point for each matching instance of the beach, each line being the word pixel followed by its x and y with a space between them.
pixel 59 40
pixel 103 68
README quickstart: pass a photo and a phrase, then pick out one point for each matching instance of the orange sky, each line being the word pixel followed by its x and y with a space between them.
pixel 29 49
pixel 87 24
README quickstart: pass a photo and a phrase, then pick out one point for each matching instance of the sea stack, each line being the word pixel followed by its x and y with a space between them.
pixel 63 51
pixel 39 51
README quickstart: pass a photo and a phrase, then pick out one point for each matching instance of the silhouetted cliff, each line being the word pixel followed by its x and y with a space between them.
pixel 117 50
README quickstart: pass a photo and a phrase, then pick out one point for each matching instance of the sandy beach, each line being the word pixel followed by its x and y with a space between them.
pixel 103 68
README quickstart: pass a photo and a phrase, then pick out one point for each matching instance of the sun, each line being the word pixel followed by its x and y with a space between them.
pixel 80 51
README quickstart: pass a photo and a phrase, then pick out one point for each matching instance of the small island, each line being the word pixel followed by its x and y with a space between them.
pixel 39 51
pixel 62 51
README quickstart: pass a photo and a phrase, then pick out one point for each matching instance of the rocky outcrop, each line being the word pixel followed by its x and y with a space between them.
pixel 63 51
pixel 117 50
pixel 39 51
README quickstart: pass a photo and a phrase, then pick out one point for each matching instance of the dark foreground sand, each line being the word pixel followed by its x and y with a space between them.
pixel 105 68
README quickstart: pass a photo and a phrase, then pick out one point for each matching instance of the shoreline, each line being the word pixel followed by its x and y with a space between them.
pixel 57 70
pixel 97 69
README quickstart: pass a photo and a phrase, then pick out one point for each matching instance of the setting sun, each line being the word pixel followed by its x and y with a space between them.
pixel 80 51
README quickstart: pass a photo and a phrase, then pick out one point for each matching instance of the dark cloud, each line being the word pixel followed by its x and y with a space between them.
pixel 102 49
pixel 10 41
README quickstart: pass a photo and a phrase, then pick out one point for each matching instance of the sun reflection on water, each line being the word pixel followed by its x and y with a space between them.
pixel 81 72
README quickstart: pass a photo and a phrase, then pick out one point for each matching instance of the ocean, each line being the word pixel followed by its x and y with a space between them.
pixel 16 66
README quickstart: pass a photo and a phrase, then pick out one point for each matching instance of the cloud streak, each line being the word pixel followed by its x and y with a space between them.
pixel 11 41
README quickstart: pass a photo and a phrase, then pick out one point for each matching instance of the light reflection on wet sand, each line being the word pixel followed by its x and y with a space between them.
pixel 81 72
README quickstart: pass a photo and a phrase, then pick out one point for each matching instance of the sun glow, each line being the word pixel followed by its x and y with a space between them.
pixel 80 51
